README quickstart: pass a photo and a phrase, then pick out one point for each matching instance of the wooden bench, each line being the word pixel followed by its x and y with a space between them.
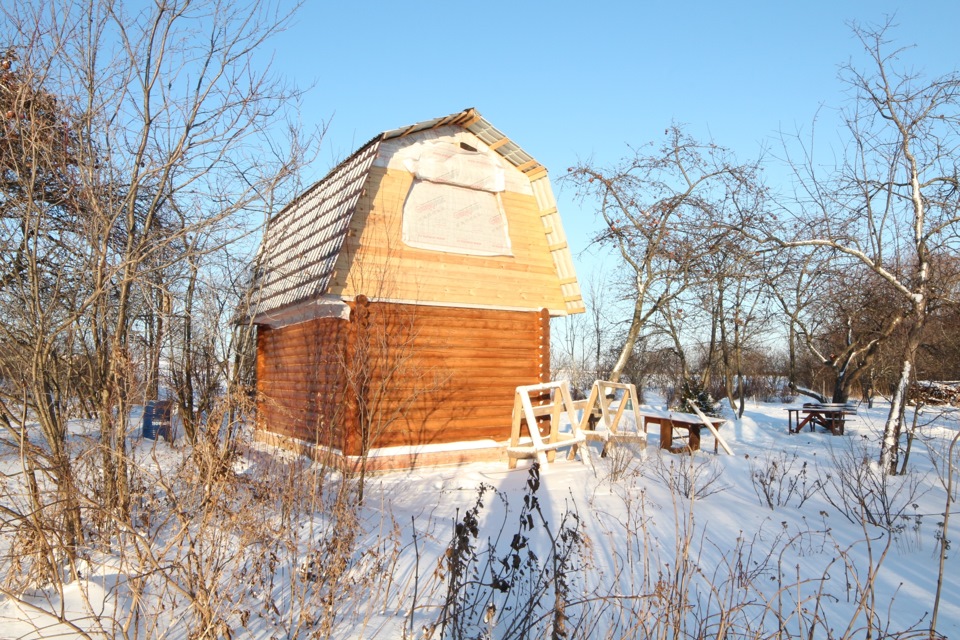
pixel 544 447
pixel 692 422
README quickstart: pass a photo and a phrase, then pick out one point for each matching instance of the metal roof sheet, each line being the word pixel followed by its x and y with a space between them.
pixel 302 242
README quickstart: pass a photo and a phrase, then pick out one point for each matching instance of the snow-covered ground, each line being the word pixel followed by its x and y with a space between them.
pixel 794 534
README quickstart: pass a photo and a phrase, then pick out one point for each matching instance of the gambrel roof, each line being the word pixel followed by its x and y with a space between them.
pixel 303 241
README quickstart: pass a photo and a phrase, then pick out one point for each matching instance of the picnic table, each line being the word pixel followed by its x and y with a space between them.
pixel 670 420
pixel 829 415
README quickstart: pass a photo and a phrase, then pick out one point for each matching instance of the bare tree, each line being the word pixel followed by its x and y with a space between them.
pixel 794 287
pixel 893 201
pixel 42 210
pixel 655 211
pixel 840 312
pixel 386 385
pixel 582 345
pixel 128 134
pixel 741 315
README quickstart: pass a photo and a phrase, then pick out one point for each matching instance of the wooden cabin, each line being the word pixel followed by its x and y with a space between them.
pixel 402 299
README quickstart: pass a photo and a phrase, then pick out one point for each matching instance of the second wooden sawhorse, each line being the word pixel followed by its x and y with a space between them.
pixel 601 422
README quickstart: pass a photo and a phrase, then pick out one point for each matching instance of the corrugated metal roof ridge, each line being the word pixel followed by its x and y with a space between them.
pixel 507 148
pixel 462 118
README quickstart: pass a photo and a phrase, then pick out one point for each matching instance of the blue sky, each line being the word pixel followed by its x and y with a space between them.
pixel 571 81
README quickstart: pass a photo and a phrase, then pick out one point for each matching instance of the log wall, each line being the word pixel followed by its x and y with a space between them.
pixel 399 374
pixel 298 381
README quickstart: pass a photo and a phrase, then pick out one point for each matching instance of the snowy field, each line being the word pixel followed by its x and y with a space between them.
pixel 793 535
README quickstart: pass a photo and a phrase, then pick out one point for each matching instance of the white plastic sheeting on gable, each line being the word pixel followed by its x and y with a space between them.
pixel 454 203
pixel 445 163
pixel 444 217
pixel 394 153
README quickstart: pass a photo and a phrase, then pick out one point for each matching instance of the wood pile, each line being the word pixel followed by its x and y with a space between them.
pixel 931 392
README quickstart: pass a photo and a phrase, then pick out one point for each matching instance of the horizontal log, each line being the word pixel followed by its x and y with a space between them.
pixel 454 331
pixel 318 370
pixel 467 314
pixel 475 380
pixel 404 433
pixel 399 329
pixel 432 417
pixel 308 333
pixel 508 294
pixel 312 416
pixel 463 356
pixel 288 389
pixel 445 371
pixel 420 407
pixel 451 432
pixel 301 359
pixel 407 310
pixel 509 331
pixel 454 345
pixel 425 352
pixel 447 396
pixel 290 404
pixel 406 352
pixel 301 355
pixel 319 338
pixel 301 329
pixel 490 330
pixel 480 344
pixel 465 433
pixel 291 401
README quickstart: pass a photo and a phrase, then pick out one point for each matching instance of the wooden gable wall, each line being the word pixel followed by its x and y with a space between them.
pixel 375 262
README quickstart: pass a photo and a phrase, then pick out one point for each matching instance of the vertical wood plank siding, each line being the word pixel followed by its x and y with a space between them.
pixel 399 374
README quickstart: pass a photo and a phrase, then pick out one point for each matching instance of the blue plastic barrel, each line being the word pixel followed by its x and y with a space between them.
pixel 157 420
pixel 149 426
